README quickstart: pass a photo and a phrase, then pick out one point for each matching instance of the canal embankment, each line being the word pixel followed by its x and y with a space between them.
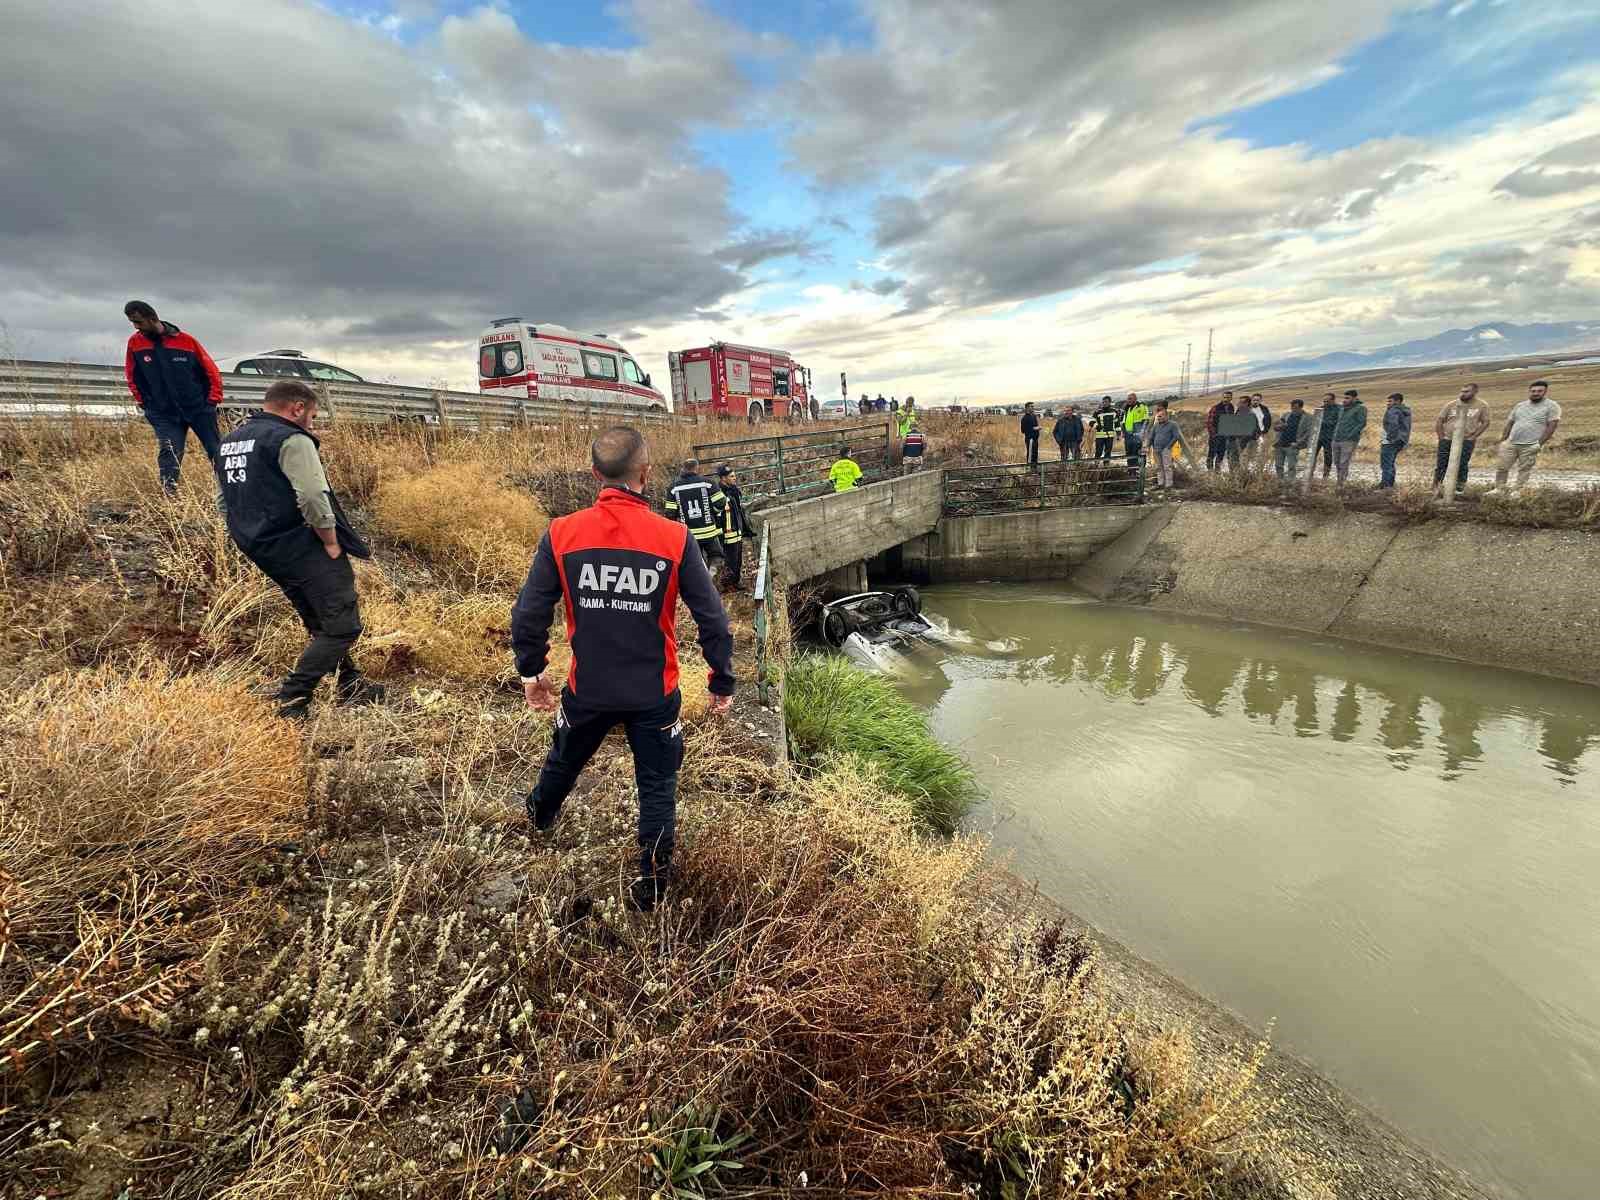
pixel 1489 594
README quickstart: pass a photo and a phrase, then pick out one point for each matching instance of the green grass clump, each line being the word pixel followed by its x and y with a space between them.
pixel 834 708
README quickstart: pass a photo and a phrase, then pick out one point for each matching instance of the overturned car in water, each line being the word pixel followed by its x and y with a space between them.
pixel 883 618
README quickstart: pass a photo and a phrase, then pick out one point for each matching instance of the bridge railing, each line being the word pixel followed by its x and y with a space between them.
pixel 1013 487
pixel 58 391
pixel 795 465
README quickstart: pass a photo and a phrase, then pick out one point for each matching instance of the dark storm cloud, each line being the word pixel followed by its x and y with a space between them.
pixel 340 186
pixel 1032 147
pixel 887 286
pixel 1568 168
pixel 764 245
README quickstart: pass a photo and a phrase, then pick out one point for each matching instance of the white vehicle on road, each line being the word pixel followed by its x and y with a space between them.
pixel 552 362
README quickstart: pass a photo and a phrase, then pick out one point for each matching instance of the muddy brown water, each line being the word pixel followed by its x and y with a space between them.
pixel 1392 859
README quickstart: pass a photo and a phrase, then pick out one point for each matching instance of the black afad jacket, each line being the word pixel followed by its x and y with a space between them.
pixel 619 569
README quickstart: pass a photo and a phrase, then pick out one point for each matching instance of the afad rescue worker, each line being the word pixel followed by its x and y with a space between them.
pixel 619 569
pixel 1106 422
pixel 845 472
pixel 284 517
pixel 176 386
pixel 735 528
pixel 699 504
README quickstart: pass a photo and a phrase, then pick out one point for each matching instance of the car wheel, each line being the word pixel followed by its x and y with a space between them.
pixel 756 413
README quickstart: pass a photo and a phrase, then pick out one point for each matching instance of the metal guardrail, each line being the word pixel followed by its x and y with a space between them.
pixel 762 623
pixel 56 391
pixel 1013 487
pixel 795 465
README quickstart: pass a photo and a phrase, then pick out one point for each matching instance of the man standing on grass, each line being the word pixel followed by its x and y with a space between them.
pixel 1216 444
pixel 284 517
pixel 736 526
pixel 1030 433
pixel 1531 425
pixel 1475 413
pixel 176 386
pixel 1326 420
pixel 1286 449
pixel 699 504
pixel 1163 436
pixel 619 570
pixel 1347 433
pixel 1396 435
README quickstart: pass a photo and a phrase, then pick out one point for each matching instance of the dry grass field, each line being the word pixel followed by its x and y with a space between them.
pixel 245 959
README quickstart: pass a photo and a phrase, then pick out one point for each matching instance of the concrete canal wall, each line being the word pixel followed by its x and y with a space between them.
pixel 1519 598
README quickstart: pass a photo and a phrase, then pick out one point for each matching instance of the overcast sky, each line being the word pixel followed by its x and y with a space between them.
pixel 946 197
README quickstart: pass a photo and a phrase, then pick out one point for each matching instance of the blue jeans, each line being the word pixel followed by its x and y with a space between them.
pixel 1387 453
pixel 172 430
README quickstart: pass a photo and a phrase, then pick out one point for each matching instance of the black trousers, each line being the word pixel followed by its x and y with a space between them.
pixel 172 428
pixel 1102 446
pixel 1032 441
pixel 710 549
pixel 1441 462
pixel 733 556
pixel 1216 449
pixel 323 592
pixel 1325 449
pixel 655 735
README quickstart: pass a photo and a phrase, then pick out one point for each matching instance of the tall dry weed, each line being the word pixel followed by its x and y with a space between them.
pixel 465 521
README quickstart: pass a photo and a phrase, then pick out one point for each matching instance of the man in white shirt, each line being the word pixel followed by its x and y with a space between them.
pixel 1532 423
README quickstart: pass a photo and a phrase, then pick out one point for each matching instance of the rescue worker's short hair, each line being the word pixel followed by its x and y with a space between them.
pixel 690 464
pixel 138 308
pixel 617 452
pixel 1351 392
pixel 1535 383
pixel 1396 396
pixel 284 392
pixel 1297 403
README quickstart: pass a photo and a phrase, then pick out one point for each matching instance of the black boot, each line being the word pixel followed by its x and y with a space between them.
pixel 358 689
pixel 293 708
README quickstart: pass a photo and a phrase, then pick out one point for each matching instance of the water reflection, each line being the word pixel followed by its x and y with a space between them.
pixel 1318 689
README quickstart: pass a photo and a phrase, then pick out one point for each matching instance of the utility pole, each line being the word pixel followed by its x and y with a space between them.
pixel 1188 354
pixel 1206 388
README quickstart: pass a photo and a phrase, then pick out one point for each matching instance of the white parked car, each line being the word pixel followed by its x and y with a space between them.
pixel 835 410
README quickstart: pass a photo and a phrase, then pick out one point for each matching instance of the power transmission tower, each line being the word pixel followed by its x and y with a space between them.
pixel 1183 388
pixel 1206 390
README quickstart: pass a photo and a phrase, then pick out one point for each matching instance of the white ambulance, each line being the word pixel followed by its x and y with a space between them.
pixel 551 362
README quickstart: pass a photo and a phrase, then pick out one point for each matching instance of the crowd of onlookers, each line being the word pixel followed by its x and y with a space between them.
pixel 1334 431
pixel 1243 435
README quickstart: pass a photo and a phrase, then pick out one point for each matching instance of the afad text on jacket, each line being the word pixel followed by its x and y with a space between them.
pixel 618 569
pixel 263 514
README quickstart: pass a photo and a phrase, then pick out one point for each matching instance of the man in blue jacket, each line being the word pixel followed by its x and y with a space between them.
pixel 1396 433
pixel 176 386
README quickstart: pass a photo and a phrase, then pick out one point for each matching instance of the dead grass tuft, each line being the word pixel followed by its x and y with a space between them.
pixel 465 521
pixel 134 806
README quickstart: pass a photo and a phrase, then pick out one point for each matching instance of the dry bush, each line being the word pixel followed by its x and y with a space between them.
pixel 465 521
pixel 45 520
pixel 134 805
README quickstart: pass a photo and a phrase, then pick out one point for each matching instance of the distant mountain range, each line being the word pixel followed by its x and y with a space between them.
pixel 1498 339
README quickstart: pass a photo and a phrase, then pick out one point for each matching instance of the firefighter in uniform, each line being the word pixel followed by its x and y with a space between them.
pixel 619 570
pixel 284 517
pixel 1106 423
pixel 735 528
pixel 699 504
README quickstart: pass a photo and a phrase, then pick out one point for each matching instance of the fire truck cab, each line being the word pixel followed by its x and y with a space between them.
pixel 551 362
pixel 745 383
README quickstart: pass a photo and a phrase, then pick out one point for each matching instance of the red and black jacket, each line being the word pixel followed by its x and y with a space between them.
pixel 619 569
pixel 171 372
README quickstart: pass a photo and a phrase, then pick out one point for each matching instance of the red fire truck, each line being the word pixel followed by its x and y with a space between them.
pixel 740 383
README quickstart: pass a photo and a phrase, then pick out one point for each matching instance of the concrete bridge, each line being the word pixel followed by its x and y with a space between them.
pixel 897 529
